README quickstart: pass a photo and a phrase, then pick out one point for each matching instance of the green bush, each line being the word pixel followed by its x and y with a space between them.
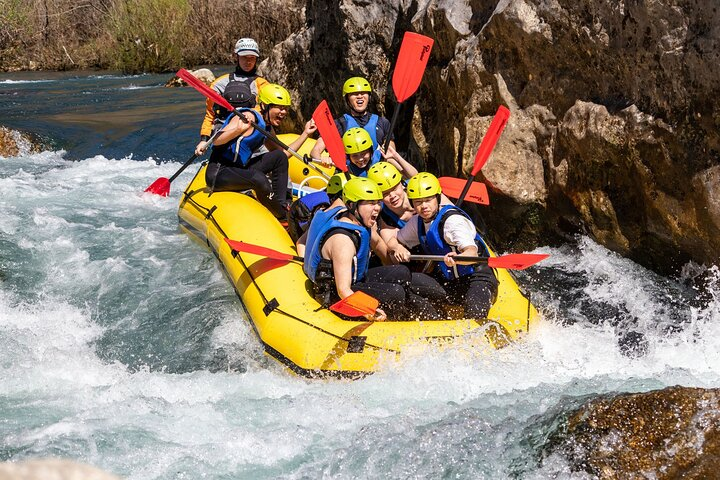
pixel 149 35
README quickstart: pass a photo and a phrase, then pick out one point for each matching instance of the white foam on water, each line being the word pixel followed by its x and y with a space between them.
pixel 98 270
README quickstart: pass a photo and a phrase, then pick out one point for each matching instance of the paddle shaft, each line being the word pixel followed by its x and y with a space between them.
pixel 392 126
pixel 439 258
pixel 192 159
pixel 465 190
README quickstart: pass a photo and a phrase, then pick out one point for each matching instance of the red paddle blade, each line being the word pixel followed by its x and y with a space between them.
pixel 330 135
pixel 204 89
pixel 453 187
pixel 516 261
pixel 410 66
pixel 491 137
pixel 356 305
pixel 161 187
pixel 258 250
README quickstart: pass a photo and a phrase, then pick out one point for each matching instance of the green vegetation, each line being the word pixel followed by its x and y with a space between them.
pixel 136 35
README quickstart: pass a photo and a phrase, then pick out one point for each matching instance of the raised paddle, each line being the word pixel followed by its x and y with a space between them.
pixel 513 261
pixel 161 186
pixel 355 305
pixel 452 187
pixel 409 69
pixel 330 135
pixel 217 98
pixel 486 147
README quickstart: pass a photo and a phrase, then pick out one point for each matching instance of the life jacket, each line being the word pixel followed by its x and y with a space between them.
pixel 248 82
pixel 302 211
pixel 371 128
pixel 237 152
pixel 321 224
pixel 391 218
pixel 433 242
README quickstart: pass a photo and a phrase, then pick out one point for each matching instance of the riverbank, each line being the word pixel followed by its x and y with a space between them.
pixel 136 36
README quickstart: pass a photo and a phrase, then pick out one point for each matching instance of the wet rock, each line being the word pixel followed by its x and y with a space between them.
pixel 51 469
pixel 615 127
pixel 205 75
pixel 664 434
pixel 14 143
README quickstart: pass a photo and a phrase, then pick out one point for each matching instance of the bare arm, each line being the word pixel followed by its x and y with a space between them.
pixel 234 129
pixel 300 244
pixel 340 249
pixel 406 168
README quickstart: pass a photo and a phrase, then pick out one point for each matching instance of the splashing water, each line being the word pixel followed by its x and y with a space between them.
pixel 122 345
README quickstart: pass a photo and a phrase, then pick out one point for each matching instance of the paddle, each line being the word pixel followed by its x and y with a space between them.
pixel 240 246
pixel 355 305
pixel 161 186
pixel 330 135
pixel 452 187
pixel 217 98
pixel 409 69
pixel 486 146
pixel 513 261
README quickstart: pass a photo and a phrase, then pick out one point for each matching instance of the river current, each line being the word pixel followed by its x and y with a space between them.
pixel 123 345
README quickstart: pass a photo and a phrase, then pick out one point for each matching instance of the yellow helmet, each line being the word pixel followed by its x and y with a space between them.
pixel 337 182
pixel 356 85
pixel 360 188
pixel 356 140
pixel 274 94
pixel 385 175
pixel 423 185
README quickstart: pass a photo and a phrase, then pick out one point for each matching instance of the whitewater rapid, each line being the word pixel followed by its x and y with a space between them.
pixel 122 345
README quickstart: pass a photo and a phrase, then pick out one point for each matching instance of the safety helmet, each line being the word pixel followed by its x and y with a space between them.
pixel 337 182
pixel 423 185
pixel 247 46
pixel 360 188
pixel 274 94
pixel 385 175
pixel 356 140
pixel 356 85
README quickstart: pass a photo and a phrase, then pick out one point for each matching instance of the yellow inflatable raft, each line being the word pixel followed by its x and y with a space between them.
pixel 277 296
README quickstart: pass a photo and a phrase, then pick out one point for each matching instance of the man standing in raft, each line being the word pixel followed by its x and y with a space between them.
pixel 246 55
pixel 242 156
pixel 447 230
pixel 356 91
pixel 339 242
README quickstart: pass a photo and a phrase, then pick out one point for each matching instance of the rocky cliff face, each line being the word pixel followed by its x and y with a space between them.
pixel 615 111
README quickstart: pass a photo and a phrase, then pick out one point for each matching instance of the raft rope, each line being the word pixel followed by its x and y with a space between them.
pixel 272 303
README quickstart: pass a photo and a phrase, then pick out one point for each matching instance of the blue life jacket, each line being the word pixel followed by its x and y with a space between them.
pixel 238 152
pixel 312 201
pixel 321 224
pixel 391 218
pixel 433 242
pixel 371 128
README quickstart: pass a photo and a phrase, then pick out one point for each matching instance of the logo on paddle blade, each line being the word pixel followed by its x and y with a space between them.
pixel 426 49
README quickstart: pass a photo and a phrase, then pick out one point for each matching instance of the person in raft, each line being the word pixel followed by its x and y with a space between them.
pixel 357 91
pixel 360 154
pixel 242 156
pixel 246 57
pixel 304 208
pixel 339 242
pixel 447 230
